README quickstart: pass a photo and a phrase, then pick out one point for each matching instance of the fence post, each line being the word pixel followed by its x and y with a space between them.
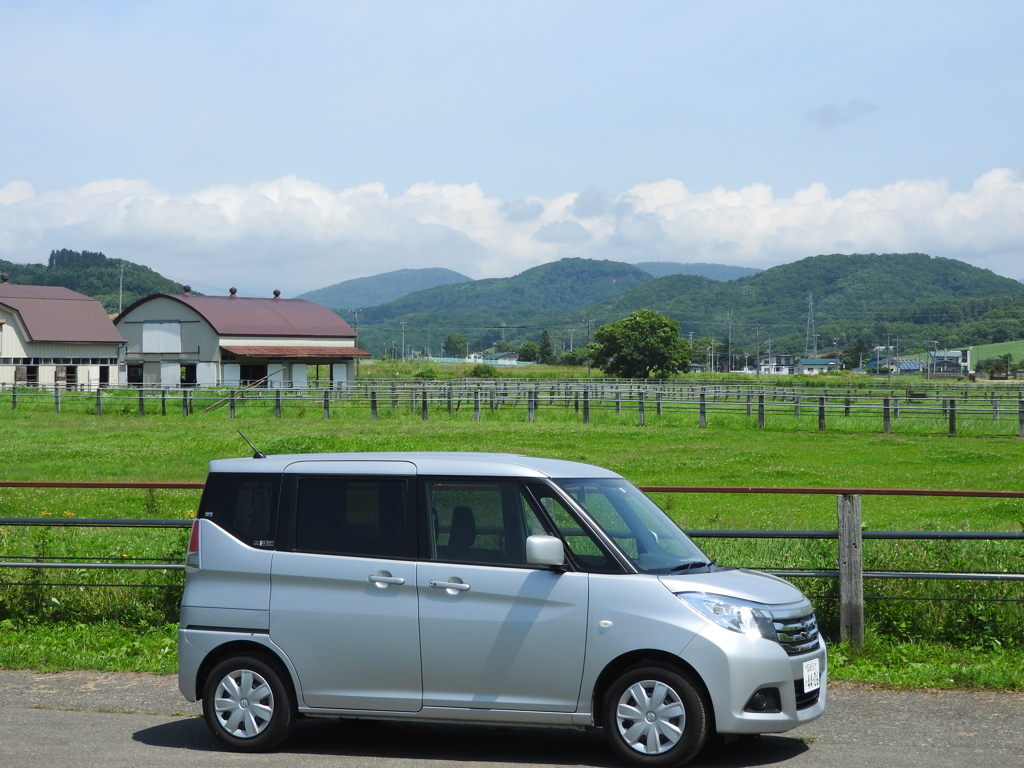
pixel 476 404
pixel 660 406
pixel 184 402
pixel 886 423
pixel 373 404
pixel 586 406
pixel 99 402
pixel 760 411
pixel 327 404
pixel 821 414
pixel 851 571
pixel 142 402
pixel 796 406
pixel 703 410
pixel 277 403
pixel 1020 418
pixel 531 404
pixel 425 404
pixel 231 404
pixel 750 399
pixel 14 398
pixel 995 409
pixel 846 407
pixel 56 399
pixel 640 408
pixel 952 417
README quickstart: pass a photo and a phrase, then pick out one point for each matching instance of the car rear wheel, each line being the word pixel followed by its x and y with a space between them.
pixel 248 704
pixel 655 716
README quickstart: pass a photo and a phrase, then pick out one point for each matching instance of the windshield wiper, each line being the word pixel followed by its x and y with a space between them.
pixel 690 566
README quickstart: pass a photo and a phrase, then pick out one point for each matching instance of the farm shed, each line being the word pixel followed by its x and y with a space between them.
pixel 814 365
pixel 189 340
pixel 53 336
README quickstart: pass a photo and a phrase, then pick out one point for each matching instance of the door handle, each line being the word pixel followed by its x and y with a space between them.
pixel 452 587
pixel 383 579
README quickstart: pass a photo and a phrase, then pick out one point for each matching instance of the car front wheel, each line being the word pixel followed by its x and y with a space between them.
pixel 248 704
pixel 655 716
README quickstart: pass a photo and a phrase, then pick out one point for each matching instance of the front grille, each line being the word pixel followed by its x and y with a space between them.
pixel 798 635
pixel 803 698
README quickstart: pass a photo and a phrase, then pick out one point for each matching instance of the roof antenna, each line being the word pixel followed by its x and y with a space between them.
pixel 256 452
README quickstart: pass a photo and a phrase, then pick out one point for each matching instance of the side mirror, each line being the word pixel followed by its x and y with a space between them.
pixel 545 550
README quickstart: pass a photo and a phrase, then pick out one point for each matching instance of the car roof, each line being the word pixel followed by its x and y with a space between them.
pixel 419 462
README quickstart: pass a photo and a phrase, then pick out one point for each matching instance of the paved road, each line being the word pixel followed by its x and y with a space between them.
pixel 84 719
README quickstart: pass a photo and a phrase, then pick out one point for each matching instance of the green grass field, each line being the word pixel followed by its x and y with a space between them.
pixel 961 634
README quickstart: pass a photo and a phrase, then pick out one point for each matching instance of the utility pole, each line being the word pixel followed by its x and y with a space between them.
pixel 355 313
pixel 811 337
pixel 120 289
pixel 728 364
pixel 757 351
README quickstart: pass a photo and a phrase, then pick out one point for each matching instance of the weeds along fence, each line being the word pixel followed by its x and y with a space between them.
pixel 924 408
pixel 964 587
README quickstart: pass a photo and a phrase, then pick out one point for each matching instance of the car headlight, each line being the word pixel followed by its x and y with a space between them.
pixel 741 616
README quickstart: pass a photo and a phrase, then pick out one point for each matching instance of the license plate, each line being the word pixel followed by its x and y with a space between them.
pixel 812 675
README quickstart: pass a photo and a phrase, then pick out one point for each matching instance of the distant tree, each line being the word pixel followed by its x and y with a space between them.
pixel 579 356
pixel 643 345
pixel 545 355
pixel 455 345
pixel 529 352
pixel 483 371
pixel 856 354
pixel 709 353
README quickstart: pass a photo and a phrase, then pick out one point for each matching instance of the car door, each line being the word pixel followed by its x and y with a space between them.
pixel 343 603
pixel 495 632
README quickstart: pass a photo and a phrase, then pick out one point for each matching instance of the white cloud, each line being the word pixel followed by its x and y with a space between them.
pixel 298 235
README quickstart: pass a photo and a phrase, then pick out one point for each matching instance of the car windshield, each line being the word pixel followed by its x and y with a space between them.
pixel 636 524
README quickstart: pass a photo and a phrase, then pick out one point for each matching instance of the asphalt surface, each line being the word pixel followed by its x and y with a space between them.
pixel 84 719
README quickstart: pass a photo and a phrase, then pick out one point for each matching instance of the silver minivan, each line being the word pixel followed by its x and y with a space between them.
pixel 479 588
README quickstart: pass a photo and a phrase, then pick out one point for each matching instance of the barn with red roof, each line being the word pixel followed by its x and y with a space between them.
pixel 53 336
pixel 193 340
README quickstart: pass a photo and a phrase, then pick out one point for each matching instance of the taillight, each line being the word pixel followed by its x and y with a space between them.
pixel 192 555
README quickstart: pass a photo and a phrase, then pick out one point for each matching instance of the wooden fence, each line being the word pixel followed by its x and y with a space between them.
pixel 935 408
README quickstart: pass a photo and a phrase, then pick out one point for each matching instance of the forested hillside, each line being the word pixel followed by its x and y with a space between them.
pixel 363 292
pixel 835 302
pixel 713 271
pixel 93 274
pixel 829 301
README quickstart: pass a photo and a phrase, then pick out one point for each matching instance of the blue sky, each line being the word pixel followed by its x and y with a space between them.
pixel 293 145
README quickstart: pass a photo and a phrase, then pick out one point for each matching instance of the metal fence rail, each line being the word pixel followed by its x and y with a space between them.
pixel 848 535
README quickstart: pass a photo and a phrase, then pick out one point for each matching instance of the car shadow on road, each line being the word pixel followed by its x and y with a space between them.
pixel 368 739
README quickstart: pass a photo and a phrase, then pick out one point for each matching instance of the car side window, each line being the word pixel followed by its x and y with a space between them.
pixel 243 504
pixel 585 550
pixel 480 521
pixel 361 517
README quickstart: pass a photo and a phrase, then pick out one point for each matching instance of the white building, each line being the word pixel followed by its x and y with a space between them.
pixel 53 336
pixel 189 340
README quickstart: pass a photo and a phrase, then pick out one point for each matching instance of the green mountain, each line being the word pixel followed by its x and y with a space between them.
pixel 721 272
pixel 836 298
pixel 116 283
pixel 509 308
pixel 380 289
